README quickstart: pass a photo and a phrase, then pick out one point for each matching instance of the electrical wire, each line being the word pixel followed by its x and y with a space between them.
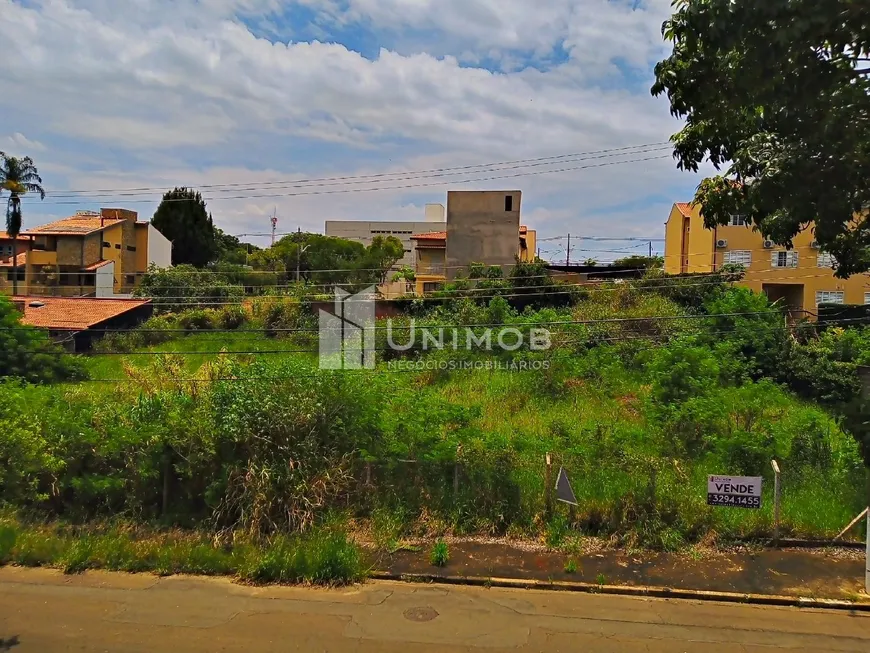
pixel 385 188
pixel 318 180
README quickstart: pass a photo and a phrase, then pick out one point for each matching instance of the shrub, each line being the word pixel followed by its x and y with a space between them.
pixel 196 319
pixel 681 371
pixel 28 353
pixel 156 330
pixel 177 288
pixel 232 317
pixel 281 314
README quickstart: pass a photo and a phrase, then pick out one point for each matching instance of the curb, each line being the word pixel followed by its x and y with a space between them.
pixel 627 590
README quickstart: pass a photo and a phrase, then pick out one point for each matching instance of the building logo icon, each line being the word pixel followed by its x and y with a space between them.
pixel 347 336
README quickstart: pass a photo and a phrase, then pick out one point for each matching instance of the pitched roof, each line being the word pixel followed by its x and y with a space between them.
pixel 20 259
pixel 75 313
pixel 685 208
pixel 6 236
pixel 432 235
pixel 77 225
pixel 96 266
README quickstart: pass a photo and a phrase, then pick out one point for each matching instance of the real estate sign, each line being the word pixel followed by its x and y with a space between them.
pixel 734 491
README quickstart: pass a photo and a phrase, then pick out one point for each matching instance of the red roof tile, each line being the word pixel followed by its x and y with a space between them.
pixel 685 208
pixel 96 266
pixel 75 313
pixel 74 226
pixel 6 236
pixel 432 235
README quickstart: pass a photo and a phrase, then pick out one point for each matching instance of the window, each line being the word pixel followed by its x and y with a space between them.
pixel 508 202
pixel 738 257
pixel 867 297
pixel 130 248
pixel 784 259
pixel 431 286
pixel 118 246
pixel 829 297
pixel 130 278
pixel 825 260
pixel 105 244
pixel 738 221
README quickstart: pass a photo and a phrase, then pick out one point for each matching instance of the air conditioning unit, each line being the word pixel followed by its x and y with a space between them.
pixel 815 244
pixel 721 243
pixel 768 244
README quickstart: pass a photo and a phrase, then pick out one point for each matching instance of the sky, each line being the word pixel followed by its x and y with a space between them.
pixel 266 95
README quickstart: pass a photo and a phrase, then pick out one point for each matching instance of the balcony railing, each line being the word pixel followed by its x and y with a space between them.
pixel 430 269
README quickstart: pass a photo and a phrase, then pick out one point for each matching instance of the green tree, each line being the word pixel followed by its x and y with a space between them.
pixel 182 217
pixel 28 354
pixel 231 250
pixel 778 93
pixel 18 176
pixel 639 261
pixel 380 257
pixel 184 286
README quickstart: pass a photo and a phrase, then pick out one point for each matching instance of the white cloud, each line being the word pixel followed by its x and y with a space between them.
pixel 18 144
pixel 175 92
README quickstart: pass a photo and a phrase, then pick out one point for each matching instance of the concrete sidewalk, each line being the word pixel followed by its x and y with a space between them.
pixel 44 611
pixel 821 573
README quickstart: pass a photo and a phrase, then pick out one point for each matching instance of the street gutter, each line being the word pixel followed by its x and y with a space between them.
pixel 627 590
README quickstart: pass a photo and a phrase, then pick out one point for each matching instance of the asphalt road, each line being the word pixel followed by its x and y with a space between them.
pixel 43 611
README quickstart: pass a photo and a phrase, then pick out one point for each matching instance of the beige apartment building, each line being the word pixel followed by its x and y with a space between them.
pixel 482 227
pixel 801 277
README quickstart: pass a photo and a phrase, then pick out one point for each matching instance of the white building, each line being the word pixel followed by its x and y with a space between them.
pixel 365 232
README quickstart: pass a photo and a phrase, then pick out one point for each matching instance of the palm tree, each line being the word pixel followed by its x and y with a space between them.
pixel 18 176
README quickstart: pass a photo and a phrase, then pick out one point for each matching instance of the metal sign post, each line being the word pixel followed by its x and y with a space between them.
pixel 776 497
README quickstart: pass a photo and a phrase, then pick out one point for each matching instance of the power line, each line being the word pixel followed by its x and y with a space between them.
pixel 401 174
pixel 383 188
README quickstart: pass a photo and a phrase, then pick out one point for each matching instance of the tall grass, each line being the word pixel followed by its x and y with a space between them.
pixel 324 556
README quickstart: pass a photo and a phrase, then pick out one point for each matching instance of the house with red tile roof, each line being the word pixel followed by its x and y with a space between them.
pixel 96 254
pixel 78 321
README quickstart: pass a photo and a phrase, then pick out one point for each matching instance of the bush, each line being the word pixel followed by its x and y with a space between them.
pixel 196 319
pixel 177 288
pixel 28 353
pixel 232 317
pixel 280 315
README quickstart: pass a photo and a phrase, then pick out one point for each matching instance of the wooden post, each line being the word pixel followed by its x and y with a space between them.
pixel 864 375
pixel 776 502
pixel 456 465
pixel 548 486
pixel 167 467
pixel 368 473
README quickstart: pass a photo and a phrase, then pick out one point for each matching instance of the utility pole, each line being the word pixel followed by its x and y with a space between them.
pixel 299 251
pixel 274 224
pixel 568 255
pixel 650 249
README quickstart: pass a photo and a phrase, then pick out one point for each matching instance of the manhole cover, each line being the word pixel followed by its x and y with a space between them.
pixel 420 614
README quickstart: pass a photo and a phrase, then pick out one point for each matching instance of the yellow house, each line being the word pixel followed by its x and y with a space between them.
pixel 90 253
pixel 802 277
pixel 431 257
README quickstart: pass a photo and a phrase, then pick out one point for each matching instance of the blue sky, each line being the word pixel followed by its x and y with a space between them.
pixel 149 94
